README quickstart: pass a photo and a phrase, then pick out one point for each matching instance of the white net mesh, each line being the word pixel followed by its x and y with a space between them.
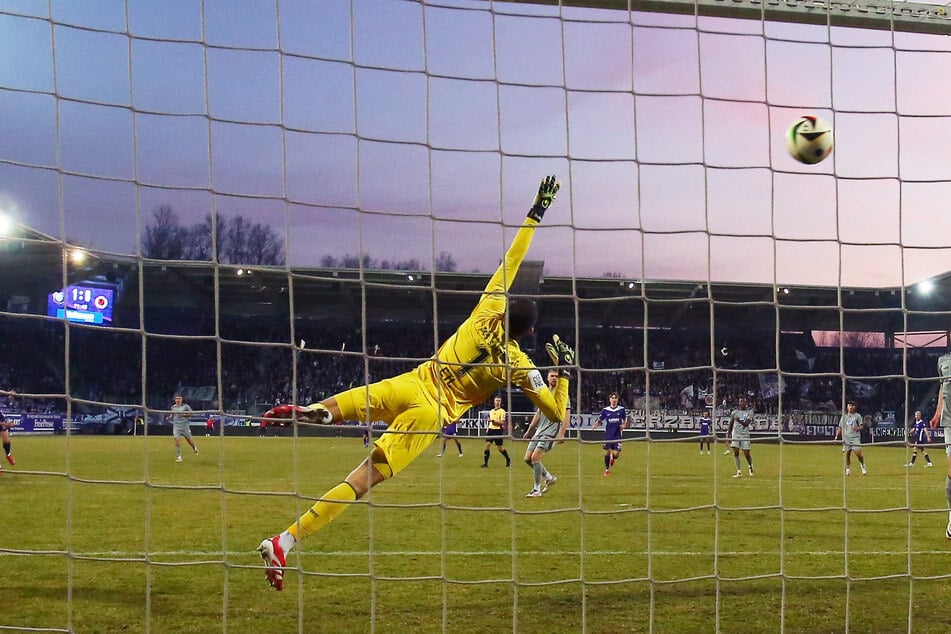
pixel 276 202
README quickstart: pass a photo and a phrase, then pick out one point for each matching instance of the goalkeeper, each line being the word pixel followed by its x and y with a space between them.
pixel 480 358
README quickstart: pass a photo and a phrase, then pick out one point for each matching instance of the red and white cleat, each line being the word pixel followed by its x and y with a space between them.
pixel 273 556
pixel 10 458
pixel 315 414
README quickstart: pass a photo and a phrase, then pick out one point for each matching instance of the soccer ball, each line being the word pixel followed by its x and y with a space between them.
pixel 809 139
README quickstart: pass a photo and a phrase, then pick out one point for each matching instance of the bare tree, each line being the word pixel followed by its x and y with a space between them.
pixel 862 339
pixel 236 249
pixel 237 241
pixel 354 262
pixel 445 262
pixel 198 241
pixel 164 238
pixel 408 265
pixel 264 247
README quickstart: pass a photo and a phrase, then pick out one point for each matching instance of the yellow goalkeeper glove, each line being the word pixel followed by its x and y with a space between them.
pixel 561 355
pixel 544 198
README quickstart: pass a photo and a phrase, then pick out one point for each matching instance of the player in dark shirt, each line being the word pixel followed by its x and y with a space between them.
pixel 920 437
pixel 614 417
pixel 5 426
pixel 706 431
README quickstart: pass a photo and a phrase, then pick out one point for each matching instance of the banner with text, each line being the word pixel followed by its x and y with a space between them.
pixel 36 423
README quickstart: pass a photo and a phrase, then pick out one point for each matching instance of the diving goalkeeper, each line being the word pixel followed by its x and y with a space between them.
pixel 481 357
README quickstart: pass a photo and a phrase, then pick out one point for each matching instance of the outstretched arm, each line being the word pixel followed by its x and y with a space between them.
pixel 502 279
pixel 552 403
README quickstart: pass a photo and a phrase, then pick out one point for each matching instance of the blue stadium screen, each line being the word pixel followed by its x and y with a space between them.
pixel 81 304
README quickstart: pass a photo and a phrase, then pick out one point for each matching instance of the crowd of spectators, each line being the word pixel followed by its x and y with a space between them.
pixel 253 365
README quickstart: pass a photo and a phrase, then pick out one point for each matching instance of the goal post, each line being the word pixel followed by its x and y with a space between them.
pixel 911 17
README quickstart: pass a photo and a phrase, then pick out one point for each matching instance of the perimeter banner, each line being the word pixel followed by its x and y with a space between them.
pixel 36 423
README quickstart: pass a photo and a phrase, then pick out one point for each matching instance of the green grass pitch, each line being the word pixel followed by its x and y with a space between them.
pixel 130 541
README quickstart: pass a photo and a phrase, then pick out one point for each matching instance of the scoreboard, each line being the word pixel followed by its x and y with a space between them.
pixel 82 304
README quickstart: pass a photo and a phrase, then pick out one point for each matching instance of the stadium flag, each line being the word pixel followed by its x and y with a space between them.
pixel 810 361
pixel 687 396
pixel 859 389
pixel 771 384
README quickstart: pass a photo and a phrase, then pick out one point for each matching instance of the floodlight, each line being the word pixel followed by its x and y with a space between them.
pixel 6 225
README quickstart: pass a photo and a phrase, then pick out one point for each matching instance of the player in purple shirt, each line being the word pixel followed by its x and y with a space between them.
pixel 614 417
pixel 706 431
pixel 449 431
pixel 920 436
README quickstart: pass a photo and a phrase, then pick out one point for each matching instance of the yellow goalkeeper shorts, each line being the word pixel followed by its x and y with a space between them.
pixel 406 405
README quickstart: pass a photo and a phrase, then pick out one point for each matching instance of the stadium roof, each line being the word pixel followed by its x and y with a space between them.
pixel 32 265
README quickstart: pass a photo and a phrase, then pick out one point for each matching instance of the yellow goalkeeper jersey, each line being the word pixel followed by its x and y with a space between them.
pixel 478 360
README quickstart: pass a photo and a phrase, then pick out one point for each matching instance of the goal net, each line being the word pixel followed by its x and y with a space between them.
pixel 272 203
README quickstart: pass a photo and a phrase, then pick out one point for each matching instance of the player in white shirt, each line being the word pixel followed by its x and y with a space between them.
pixel 181 425
pixel 739 432
pixel 544 433
pixel 850 429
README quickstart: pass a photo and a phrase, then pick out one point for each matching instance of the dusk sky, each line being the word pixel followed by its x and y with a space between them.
pixel 400 130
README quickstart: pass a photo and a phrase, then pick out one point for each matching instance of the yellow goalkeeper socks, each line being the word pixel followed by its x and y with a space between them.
pixel 334 502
